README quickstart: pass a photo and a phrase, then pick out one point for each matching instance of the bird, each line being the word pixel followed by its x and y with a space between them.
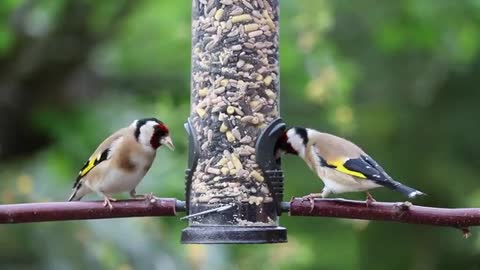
pixel 121 161
pixel 340 164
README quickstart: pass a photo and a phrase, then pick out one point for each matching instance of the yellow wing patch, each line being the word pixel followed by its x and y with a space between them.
pixel 339 167
pixel 89 165
pixel 92 162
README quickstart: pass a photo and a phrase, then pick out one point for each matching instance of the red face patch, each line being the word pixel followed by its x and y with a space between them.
pixel 283 144
pixel 160 131
pixel 163 129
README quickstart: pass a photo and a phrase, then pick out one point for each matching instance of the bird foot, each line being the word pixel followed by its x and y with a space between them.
pixel 107 202
pixel 310 197
pixel 370 200
pixel 148 196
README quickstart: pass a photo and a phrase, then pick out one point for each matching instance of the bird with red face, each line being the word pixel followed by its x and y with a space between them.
pixel 121 161
pixel 339 163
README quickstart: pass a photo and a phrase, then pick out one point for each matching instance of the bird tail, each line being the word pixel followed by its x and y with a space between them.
pixel 405 190
pixel 78 192
pixel 74 196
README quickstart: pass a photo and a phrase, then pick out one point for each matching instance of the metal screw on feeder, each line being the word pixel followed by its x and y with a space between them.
pixel 234 185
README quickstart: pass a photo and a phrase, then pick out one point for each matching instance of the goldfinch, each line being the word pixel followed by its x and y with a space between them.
pixel 341 165
pixel 122 160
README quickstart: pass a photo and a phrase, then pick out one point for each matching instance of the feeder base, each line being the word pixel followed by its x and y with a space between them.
pixel 197 234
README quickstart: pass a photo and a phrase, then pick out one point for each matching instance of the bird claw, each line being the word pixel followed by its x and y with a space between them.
pixel 106 202
pixel 147 197
pixel 310 197
pixel 150 197
pixel 370 200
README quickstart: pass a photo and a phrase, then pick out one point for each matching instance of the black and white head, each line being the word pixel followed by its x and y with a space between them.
pixel 152 133
pixel 293 141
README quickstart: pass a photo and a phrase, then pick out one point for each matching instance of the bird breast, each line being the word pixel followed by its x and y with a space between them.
pixel 118 180
pixel 126 175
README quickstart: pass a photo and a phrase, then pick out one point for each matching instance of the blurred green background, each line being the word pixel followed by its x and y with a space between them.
pixel 400 78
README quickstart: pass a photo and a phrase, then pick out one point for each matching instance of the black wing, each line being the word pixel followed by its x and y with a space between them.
pixel 89 165
pixel 368 167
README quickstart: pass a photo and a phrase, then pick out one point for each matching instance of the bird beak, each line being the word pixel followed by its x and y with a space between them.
pixel 167 141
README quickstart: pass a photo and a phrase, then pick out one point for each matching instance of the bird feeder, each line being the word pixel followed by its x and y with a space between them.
pixel 234 184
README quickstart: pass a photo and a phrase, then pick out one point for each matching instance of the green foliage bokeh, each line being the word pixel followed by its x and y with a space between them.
pixel 399 78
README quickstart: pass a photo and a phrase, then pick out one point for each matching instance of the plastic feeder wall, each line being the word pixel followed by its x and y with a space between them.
pixel 234 124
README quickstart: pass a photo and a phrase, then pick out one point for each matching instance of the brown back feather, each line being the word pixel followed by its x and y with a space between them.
pixel 331 147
